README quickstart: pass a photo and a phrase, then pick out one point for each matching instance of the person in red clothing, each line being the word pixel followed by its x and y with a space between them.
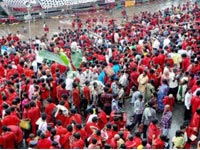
pixel 169 100
pixel 7 139
pixel 86 92
pixel 10 119
pixel 153 131
pixel 49 109
pixel 43 142
pixel 195 122
pixel 90 127
pixel 67 139
pixel 159 143
pixel 102 118
pixel 185 62
pixel 77 143
pixel 18 134
pixel 75 117
pixel 60 130
pixel 129 143
pixel 33 115
pixel 76 97
pixel 113 141
pixel 97 136
pixel 137 140
pixel 81 130
pixel 195 102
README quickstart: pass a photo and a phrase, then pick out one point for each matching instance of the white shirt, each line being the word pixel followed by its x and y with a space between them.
pixel 156 44
pixel 188 97
pixel 116 37
pixel 173 83
pixel 123 80
pixel 166 42
pixel 68 83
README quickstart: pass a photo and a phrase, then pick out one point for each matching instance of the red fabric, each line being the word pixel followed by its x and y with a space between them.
pixel 17 132
pixel 88 129
pixel 113 143
pixel 44 143
pixel 10 120
pixel 153 130
pixel 76 117
pixel 66 141
pixel 169 101
pixel 76 97
pixel 129 144
pixel 102 121
pixel 86 93
pixel 8 140
pixel 48 110
pixel 195 103
pixel 137 141
pixel 60 130
pixel 34 115
pixel 185 63
pixel 158 144
pixel 78 144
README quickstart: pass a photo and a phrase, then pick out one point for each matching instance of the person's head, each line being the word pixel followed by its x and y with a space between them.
pixel 116 137
pixel 58 122
pixel 77 135
pixel 198 111
pixel 140 97
pixel 69 128
pixel 42 135
pixel 137 134
pixel 179 133
pixel 43 116
pixel 155 121
pixel 167 108
pixel 130 137
pixel 94 141
pixel 107 146
pixel 49 100
pixel 94 119
pixel 144 142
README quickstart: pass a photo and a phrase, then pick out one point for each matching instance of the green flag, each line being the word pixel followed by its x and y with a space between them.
pixel 76 58
pixel 51 56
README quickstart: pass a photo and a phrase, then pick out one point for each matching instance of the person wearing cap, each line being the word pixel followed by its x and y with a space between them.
pixel 166 120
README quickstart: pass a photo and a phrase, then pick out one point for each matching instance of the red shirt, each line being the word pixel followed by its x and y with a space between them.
pixel 17 132
pixel 78 144
pixel 43 143
pixel 10 120
pixel 8 140
pixel 86 92
pixel 48 110
pixel 76 97
pixel 60 130
pixel 66 141
pixel 195 103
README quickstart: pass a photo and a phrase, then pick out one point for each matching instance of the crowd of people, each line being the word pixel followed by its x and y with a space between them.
pixel 151 63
